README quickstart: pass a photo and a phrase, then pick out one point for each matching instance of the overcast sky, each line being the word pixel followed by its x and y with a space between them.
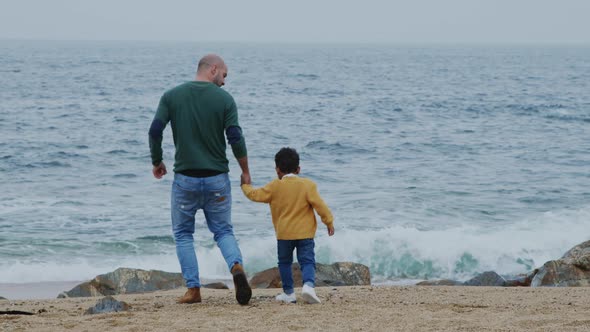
pixel 410 21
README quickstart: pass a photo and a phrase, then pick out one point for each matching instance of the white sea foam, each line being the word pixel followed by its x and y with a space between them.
pixel 392 253
pixel 460 252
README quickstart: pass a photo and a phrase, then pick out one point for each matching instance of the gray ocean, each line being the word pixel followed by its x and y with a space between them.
pixel 437 161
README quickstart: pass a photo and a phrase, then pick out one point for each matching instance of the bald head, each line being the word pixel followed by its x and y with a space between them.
pixel 211 68
pixel 208 61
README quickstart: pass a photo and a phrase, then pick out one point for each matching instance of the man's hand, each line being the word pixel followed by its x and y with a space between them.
pixel 245 179
pixel 159 171
pixel 330 230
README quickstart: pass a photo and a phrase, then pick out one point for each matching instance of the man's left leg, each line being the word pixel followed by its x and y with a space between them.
pixel 183 208
pixel 217 212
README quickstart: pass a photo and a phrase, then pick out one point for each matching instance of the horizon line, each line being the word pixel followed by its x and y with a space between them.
pixel 303 42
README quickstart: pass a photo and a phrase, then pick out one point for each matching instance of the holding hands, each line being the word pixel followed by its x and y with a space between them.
pixel 245 179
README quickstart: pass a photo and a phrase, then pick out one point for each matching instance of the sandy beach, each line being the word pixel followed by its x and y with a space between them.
pixel 368 308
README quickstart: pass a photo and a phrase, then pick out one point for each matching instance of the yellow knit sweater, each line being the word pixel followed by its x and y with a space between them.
pixel 292 201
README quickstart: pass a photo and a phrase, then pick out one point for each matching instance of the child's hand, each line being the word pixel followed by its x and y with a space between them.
pixel 330 230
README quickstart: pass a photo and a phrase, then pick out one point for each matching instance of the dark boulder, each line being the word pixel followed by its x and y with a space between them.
pixel 523 280
pixel 489 278
pixel 126 281
pixel 270 278
pixel 107 304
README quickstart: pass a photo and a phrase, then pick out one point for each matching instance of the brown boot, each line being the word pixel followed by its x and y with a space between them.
pixel 243 290
pixel 192 295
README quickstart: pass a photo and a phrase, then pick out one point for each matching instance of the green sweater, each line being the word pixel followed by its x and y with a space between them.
pixel 199 113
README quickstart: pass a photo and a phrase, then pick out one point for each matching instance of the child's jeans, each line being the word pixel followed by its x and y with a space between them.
pixel 305 257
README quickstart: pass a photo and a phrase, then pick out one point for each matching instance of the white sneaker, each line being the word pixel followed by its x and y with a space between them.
pixel 308 294
pixel 287 298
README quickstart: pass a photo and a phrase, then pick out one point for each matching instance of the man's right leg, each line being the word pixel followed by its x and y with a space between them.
pixel 183 208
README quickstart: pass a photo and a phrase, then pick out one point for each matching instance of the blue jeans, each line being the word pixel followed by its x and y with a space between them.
pixel 305 257
pixel 213 195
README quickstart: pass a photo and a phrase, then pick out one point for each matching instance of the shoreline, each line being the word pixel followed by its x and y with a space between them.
pixel 351 308
pixel 48 290
pixel 36 290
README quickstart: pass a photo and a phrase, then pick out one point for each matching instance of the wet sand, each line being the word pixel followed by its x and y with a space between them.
pixel 366 308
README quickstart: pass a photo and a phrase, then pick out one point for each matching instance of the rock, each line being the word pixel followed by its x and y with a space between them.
pixel 215 285
pixel 337 274
pixel 488 278
pixel 351 274
pixel 107 304
pixel 573 269
pixel 579 256
pixel 442 282
pixel 271 279
pixel 560 274
pixel 521 280
pixel 126 281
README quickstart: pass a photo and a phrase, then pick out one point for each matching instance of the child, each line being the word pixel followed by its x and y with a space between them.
pixel 292 201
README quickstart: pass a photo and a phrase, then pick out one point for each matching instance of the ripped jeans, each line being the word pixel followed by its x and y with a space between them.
pixel 213 195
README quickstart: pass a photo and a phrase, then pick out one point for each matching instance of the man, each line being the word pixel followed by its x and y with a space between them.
pixel 199 112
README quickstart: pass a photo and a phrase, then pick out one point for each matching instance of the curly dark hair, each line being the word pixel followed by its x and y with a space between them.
pixel 287 160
